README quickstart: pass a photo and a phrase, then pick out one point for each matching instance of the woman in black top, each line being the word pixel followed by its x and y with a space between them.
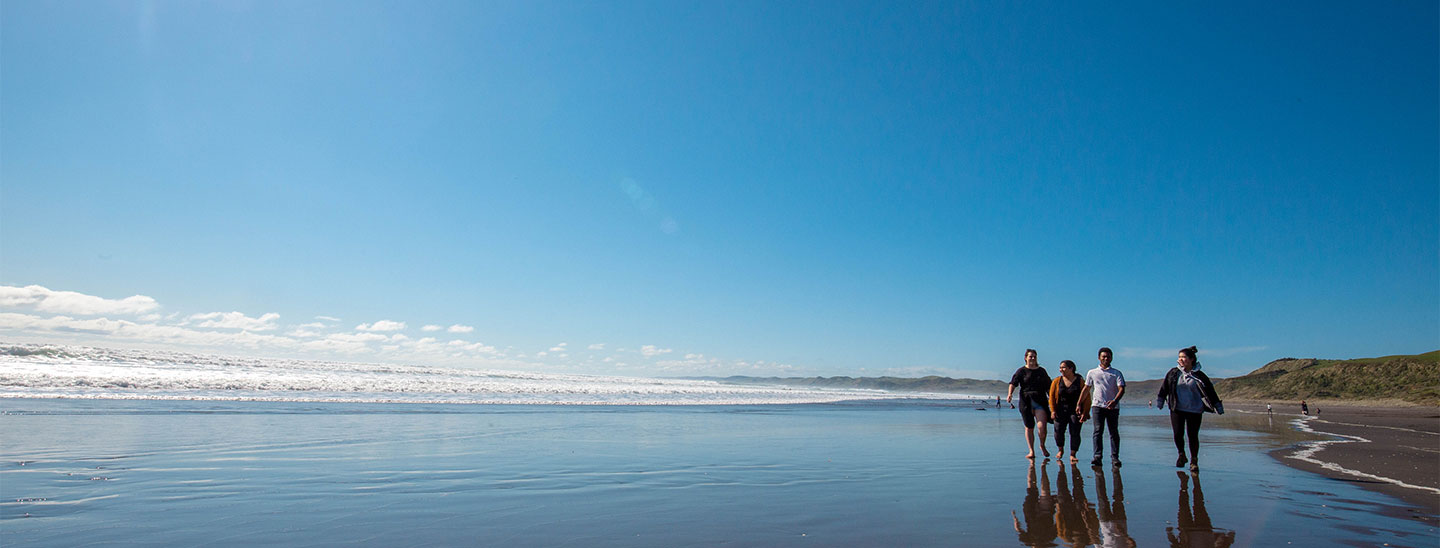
pixel 1033 383
pixel 1064 400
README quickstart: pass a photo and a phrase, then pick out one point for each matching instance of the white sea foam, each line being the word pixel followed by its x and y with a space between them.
pixel 48 371
pixel 1309 449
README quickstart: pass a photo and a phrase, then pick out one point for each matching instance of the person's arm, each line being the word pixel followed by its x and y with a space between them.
pixel 1118 395
pixel 1164 391
pixel 1009 393
pixel 1084 397
pixel 1054 399
pixel 1209 388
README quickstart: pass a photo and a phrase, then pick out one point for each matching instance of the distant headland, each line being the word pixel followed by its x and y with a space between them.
pixel 1400 379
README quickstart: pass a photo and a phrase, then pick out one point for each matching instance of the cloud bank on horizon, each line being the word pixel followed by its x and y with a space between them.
pixel 70 317
pixel 39 314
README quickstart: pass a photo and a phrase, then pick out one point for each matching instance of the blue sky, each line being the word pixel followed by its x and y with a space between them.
pixel 713 188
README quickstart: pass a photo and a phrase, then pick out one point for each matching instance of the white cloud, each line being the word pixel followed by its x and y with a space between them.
pixel 651 351
pixel 382 325
pixel 70 302
pixel 234 320
pixel 479 348
pixel 136 320
pixel 141 332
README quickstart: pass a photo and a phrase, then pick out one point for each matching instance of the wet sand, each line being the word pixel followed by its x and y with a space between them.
pixel 1392 450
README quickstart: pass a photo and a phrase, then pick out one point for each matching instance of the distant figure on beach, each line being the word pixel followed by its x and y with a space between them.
pixel 1149 403
pixel 1039 509
pixel 1114 527
pixel 1304 409
pixel 1033 381
pixel 1268 409
pixel 1192 525
pixel 1190 395
pixel 1104 386
pixel 1065 409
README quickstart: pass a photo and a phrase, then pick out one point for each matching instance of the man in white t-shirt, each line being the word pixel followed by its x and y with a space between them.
pixel 1104 386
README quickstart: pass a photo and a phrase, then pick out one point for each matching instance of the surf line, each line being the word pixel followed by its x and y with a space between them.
pixel 1310 448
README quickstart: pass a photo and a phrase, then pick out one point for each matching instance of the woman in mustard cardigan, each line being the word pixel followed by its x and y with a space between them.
pixel 1064 399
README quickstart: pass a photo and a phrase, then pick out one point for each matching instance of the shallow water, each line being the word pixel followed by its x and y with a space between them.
pixel 919 473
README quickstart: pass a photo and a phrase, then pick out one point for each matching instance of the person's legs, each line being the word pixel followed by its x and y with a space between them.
pixel 1192 429
pixel 1097 437
pixel 1074 421
pixel 1113 417
pixel 1027 417
pixel 1105 419
pixel 1042 419
pixel 1061 424
pixel 1177 428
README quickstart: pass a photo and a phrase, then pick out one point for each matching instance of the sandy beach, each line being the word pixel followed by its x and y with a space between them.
pixel 1392 450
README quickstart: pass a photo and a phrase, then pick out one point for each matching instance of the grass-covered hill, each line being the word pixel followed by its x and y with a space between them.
pixel 896 384
pixel 1413 379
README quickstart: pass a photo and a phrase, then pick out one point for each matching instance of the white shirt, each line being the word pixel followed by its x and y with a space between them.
pixel 1104 385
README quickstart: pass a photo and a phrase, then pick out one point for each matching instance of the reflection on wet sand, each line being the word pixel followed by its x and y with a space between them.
pixel 1068 514
pixel 1114 528
pixel 1039 509
pixel 1074 517
pixel 1193 528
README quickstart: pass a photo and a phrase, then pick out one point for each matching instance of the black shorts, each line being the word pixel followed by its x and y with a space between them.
pixel 1029 403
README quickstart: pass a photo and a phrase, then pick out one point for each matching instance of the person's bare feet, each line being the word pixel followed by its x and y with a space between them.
pixel 1046 451
pixel 1074 459
pixel 1031 455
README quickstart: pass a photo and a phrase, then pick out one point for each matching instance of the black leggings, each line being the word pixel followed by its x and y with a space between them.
pixel 1069 422
pixel 1182 424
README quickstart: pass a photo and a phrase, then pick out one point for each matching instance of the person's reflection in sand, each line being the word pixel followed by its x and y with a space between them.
pixel 1071 509
pixel 1114 529
pixel 1039 509
pixel 1193 528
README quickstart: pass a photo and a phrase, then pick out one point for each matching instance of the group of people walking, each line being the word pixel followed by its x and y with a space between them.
pixel 1068 401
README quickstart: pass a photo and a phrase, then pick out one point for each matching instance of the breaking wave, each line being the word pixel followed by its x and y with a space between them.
pixel 52 371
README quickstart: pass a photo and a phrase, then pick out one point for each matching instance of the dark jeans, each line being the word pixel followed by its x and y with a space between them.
pixel 1182 424
pixel 1106 418
pixel 1069 422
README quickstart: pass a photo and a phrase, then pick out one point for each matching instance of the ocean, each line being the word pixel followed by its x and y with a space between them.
pixel 146 448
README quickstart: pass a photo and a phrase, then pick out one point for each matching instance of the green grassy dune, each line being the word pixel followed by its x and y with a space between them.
pixel 1412 379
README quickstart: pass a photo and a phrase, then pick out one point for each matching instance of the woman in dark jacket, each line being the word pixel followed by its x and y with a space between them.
pixel 1190 394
